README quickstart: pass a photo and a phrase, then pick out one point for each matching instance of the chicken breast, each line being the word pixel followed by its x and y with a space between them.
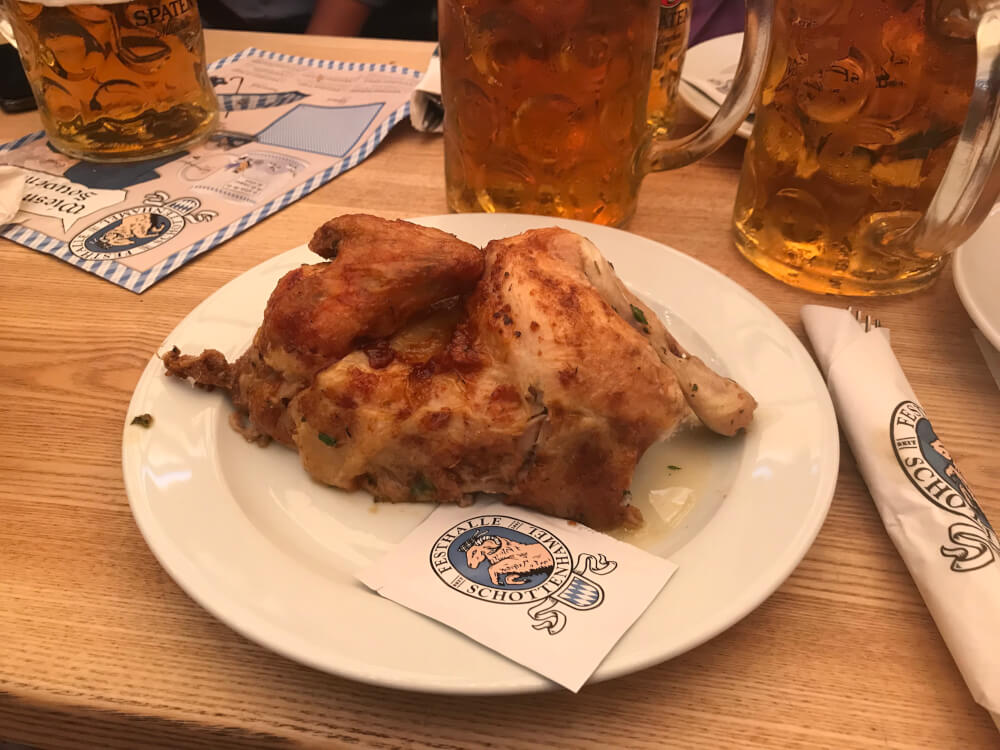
pixel 605 394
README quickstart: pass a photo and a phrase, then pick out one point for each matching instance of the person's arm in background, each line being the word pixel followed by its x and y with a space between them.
pixel 338 17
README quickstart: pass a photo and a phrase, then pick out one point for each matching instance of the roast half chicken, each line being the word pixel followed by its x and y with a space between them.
pixel 421 368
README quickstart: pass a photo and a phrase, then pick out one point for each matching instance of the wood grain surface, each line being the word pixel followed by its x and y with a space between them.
pixel 98 646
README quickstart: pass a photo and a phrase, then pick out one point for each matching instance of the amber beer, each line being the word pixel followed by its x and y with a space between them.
pixel 545 105
pixel 671 44
pixel 117 81
pixel 861 108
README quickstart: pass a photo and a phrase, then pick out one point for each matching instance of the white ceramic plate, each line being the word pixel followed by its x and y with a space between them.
pixel 706 66
pixel 272 554
pixel 977 277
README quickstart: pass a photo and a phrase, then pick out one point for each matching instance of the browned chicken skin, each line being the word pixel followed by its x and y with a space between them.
pixel 382 274
pixel 417 367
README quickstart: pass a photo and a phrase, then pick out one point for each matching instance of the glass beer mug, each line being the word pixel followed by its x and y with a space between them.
pixel 875 142
pixel 545 104
pixel 116 81
pixel 668 60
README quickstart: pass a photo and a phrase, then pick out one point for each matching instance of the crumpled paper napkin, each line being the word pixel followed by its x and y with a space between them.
pixel 11 189
pixel 426 109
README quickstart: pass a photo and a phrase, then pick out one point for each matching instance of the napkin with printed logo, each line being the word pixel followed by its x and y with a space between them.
pixel 550 594
pixel 928 508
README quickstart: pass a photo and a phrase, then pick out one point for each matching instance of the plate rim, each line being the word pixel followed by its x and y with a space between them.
pixel 736 609
pixel 962 276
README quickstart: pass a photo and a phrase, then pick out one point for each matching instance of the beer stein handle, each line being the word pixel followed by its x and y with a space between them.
pixel 670 153
pixel 971 182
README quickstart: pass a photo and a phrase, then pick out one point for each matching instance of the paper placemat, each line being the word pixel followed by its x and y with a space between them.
pixel 288 124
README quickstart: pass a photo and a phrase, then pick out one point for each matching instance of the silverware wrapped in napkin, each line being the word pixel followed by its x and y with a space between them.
pixel 928 508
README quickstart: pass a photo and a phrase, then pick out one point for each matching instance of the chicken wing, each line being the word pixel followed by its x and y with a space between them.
pixel 380 275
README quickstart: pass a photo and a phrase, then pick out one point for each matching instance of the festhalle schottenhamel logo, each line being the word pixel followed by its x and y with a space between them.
pixel 508 561
pixel 931 469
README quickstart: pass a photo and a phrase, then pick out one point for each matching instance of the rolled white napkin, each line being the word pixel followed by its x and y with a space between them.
pixel 11 190
pixel 927 507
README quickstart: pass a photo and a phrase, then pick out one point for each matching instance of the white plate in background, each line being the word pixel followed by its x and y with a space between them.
pixel 708 68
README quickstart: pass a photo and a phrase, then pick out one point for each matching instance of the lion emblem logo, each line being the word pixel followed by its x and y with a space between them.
pixel 513 562
pixel 931 469
pixel 140 229
pixel 504 560
pixel 130 231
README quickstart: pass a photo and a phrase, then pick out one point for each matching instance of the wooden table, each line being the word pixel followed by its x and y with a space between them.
pixel 98 646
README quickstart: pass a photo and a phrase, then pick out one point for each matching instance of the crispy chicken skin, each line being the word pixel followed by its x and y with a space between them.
pixel 417 367
pixel 722 404
pixel 605 393
pixel 426 426
pixel 380 275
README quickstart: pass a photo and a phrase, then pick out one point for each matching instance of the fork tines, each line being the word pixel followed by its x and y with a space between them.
pixel 867 321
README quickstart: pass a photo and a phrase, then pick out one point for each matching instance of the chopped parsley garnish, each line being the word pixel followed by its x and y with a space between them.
pixel 639 315
pixel 327 440
pixel 143 420
pixel 674 468
pixel 694 388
